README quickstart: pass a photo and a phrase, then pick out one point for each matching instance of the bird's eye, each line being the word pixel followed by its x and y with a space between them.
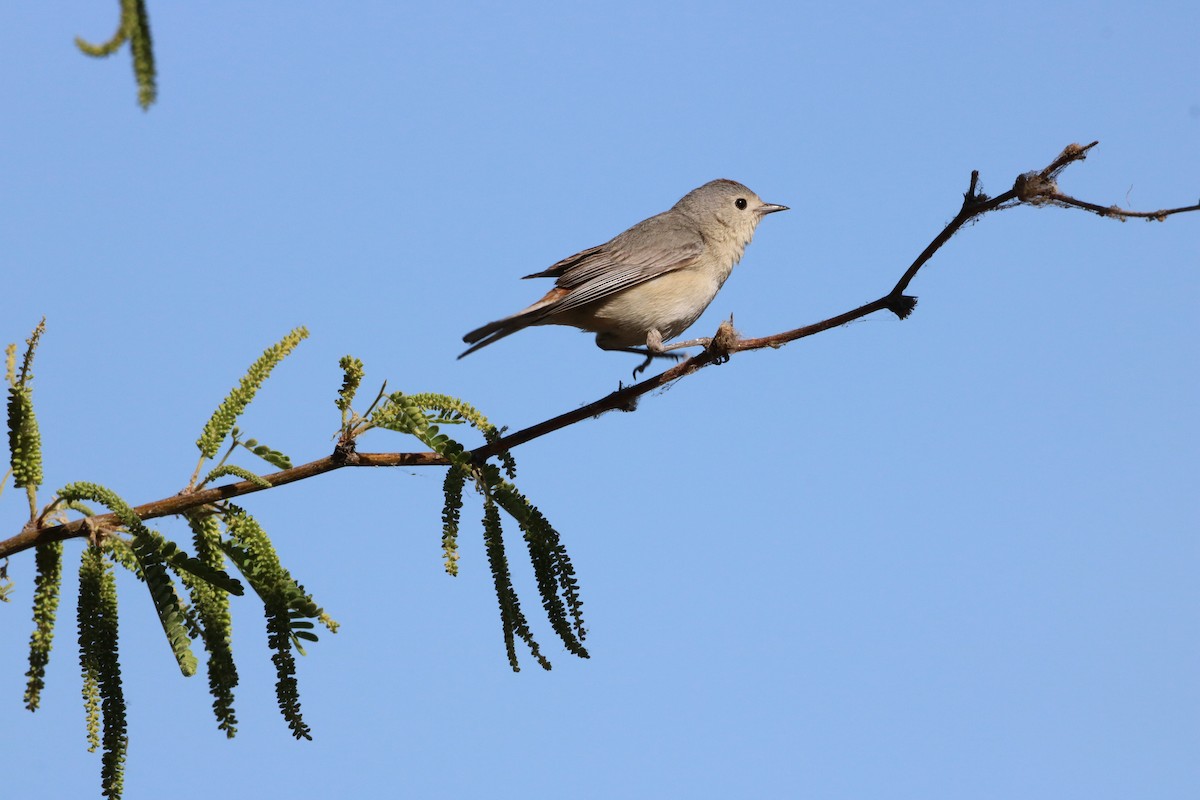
pixel 740 203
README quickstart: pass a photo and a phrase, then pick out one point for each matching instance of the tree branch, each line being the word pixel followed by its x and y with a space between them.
pixel 1033 188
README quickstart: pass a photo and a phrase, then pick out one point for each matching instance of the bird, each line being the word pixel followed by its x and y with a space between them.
pixel 649 284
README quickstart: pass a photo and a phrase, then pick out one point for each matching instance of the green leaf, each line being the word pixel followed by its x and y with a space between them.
pixel 512 619
pixel 212 608
pixel 273 457
pixel 101 668
pixel 47 585
pixel 24 440
pixel 182 561
pixel 352 375
pixel 240 472
pixel 222 420
pixel 148 550
pixel 452 489
pixel 166 601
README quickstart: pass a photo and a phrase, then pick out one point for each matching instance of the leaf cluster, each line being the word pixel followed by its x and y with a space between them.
pixel 191 591
pixel 420 415
pixel 221 535
pixel 133 27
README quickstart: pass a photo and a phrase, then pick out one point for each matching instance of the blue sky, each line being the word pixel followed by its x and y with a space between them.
pixel 949 557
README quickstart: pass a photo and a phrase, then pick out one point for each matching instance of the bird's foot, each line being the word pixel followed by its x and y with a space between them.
pixel 650 356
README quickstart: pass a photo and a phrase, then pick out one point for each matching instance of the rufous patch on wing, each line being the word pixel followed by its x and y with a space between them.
pixel 553 296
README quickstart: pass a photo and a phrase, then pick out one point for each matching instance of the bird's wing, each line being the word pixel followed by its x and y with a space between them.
pixel 556 270
pixel 662 244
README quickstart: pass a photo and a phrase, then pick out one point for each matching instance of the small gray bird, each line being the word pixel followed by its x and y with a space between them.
pixel 650 283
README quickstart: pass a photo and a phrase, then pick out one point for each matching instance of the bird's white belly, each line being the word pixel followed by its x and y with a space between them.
pixel 669 304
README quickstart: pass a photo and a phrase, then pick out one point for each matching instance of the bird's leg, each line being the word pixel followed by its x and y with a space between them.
pixel 654 343
pixel 655 349
pixel 704 341
pixel 640 368
pixel 651 351
pixel 650 356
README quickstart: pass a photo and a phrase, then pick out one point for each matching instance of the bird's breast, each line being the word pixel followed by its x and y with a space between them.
pixel 669 304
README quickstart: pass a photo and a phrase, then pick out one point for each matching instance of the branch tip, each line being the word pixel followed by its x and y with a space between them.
pixel 972 187
pixel 1070 154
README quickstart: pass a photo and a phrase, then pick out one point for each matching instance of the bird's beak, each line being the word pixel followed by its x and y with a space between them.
pixel 770 208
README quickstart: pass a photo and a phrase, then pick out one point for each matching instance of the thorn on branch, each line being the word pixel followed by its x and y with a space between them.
pixel 1070 154
pixel 343 451
pixel 627 405
pixel 974 195
pixel 902 305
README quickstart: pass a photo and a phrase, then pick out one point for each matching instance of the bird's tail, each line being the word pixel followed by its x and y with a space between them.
pixel 495 331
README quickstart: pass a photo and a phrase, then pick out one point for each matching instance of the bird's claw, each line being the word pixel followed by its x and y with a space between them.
pixel 640 368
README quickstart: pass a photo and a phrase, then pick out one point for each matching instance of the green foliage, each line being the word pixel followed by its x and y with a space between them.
pixel 401 413
pixel 47 586
pixel 82 508
pixel 104 49
pixel 219 426
pixel 287 690
pixel 143 51
pixel 24 440
pixel 451 409
pixel 551 565
pixel 149 550
pixel 352 375
pixel 91 699
pixel 98 661
pixel 241 472
pixel 512 619
pixel 212 607
pixel 419 415
pixel 182 562
pixel 121 552
pixel 6 584
pixel 251 551
pixel 286 605
pixel 166 600
pixel 26 458
pixel 26 373
pixel 451 511
pixel 272 457
pixel 133 27
pixel 291 613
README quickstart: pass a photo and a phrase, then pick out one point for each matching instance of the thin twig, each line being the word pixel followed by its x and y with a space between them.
pixel 31 536
pixel 1032 188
